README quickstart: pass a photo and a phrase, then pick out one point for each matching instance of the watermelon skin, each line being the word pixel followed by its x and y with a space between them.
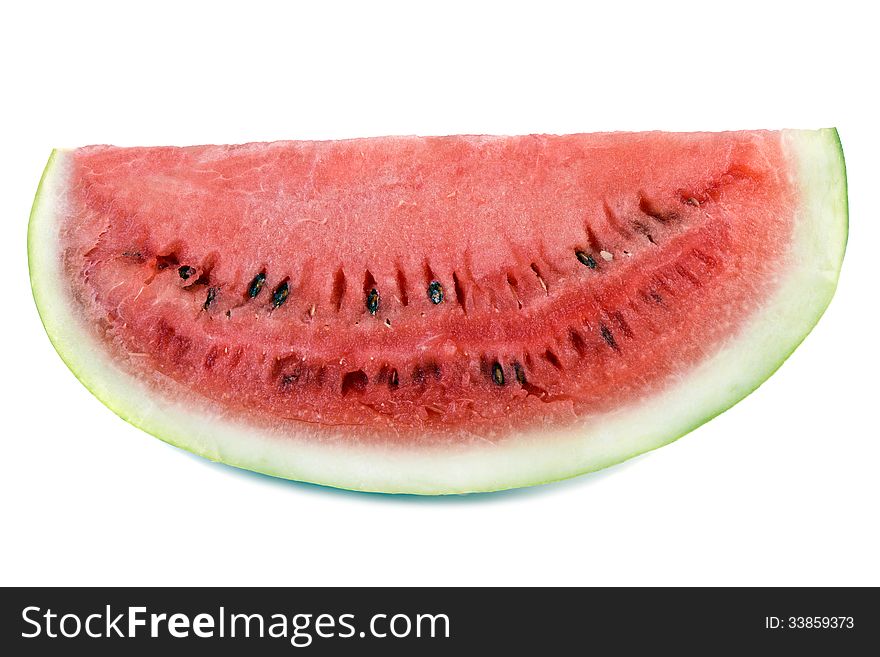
pixel 189 421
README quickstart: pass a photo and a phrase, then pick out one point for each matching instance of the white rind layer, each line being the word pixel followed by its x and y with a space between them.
pixel 716 384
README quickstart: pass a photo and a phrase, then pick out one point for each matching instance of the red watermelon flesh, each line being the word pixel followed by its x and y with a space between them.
pixel 431 296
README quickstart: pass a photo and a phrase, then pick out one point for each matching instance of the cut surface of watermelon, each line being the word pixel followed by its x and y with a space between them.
pixel 436 315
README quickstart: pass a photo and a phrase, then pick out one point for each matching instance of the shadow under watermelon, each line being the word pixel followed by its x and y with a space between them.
pixel 492 497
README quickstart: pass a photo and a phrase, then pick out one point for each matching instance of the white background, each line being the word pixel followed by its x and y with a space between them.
pixel 782 489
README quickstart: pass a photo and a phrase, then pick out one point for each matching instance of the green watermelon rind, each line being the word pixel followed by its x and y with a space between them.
pixel 737 369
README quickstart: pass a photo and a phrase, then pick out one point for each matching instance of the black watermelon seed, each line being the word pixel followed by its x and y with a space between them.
pixel 435 292
pixel 520 375
pixel 279 296
pixel 212 294
pixel 186 271
pixel 256 284
pixel 394 380
pixel 608 337
pixel 373 301
pixel 586 259
pixel 497 374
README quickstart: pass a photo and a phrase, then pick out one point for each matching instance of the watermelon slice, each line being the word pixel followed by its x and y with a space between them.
pixel 436 315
